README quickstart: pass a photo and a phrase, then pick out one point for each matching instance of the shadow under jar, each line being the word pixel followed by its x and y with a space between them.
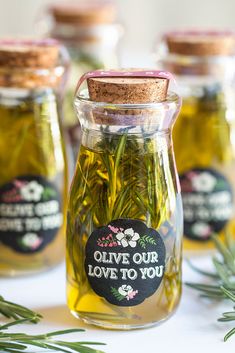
pixel 124 223
pixel 33 176
pixel 203 137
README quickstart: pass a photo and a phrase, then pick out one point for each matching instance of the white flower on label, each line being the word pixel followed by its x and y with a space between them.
pixel 203 182
pixel 125 290
pixel 201 229
pixel 31 240
pixel 32 191
pixel 128 237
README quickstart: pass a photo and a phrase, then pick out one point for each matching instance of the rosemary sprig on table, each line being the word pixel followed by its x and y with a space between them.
pixel 223 286
pixel 15 311
pixel 19 342
pixel 228 316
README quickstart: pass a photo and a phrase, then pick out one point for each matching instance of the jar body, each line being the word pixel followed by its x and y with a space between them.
pixel 32 182
pixel 124 229
pixel 90 48
pixel 205 157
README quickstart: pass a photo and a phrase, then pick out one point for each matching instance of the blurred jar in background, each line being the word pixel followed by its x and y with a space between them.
pixel 33 172
pixel 204 135
pixel 88 31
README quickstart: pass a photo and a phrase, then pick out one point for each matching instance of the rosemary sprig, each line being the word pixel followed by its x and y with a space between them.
pixel 223 286
pixel 15 311
pixel 19 342
pixel 228 316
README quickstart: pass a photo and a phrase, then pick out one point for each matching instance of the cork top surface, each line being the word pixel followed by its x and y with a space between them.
pixel 128 90
pixel 29 53
pixel 84 12
pixel 29 63
pixel 125 81
pixel 201 43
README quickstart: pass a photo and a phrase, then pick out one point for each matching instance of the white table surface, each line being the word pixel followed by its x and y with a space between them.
pixel 193 328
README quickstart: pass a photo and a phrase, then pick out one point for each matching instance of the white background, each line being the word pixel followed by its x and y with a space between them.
pixel 194 327
pixel 143 21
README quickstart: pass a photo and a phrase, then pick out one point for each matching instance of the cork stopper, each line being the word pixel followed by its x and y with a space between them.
pixel 201 43
pixel 22 60
pixel 28 54
pixel 85 12
pixel 127 90
pixel 131 87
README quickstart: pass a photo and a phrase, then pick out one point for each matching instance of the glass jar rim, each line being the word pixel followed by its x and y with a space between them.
pixel 157 116
pixel 31 77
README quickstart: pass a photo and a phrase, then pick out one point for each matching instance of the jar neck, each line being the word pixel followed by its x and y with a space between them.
pixel 135 119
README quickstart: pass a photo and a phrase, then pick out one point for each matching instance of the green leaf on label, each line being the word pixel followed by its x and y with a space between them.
pixel 116 294
pixel 48 193
pixel 146 239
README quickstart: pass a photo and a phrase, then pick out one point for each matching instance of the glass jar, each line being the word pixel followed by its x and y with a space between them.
pixel 33 178
pixel 88 31
pixel 124 224
pixel 204 63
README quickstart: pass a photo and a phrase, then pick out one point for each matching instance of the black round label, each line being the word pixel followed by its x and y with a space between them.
pixel 125 261
pixel 207 202
pixel 30 213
